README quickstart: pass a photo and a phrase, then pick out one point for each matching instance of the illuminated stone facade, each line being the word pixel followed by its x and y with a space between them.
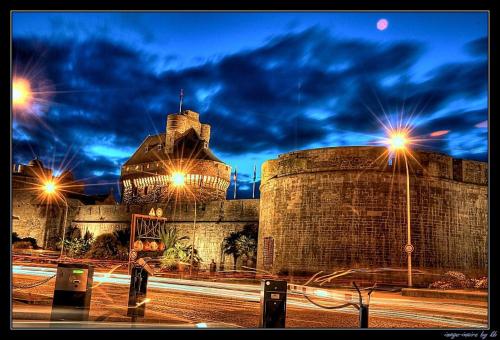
pixel 323 209
pixel 147 176
pixel 345 207
pixel 215 220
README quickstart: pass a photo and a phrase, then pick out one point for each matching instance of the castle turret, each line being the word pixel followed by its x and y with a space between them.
pixel 205 134
pixel 147 176
pixel 176 125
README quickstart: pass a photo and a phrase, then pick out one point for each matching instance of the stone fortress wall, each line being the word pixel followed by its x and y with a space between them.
pixel 214 221
pixel 345 207
pixel 34 218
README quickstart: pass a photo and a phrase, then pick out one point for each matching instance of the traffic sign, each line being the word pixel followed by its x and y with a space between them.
pixel 409 248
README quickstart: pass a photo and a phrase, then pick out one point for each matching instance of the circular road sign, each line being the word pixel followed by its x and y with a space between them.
pixel 409 248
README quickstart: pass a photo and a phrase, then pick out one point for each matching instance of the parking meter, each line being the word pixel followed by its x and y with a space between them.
pixel 273 304
pixel 72 292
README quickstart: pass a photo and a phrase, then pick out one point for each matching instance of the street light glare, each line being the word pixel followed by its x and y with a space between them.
pixel 49 187
pixel 21 92
pixel 178 179
pixel 398 141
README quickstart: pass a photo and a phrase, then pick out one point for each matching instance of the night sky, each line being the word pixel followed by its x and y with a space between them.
pixel 267 83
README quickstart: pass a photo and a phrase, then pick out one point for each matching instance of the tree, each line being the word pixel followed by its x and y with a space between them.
pixel 247 246
pixel 230 246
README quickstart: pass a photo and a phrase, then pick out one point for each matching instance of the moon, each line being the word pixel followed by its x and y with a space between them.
pixel 382 24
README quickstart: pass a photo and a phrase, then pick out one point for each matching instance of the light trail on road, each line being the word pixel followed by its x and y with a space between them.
pixel 425 311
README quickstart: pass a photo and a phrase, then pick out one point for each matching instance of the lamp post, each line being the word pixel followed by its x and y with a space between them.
pixel 178 180
pixel 398 143
pixel 50 189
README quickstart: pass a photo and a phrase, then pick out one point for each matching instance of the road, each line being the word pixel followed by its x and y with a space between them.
pixel 189 303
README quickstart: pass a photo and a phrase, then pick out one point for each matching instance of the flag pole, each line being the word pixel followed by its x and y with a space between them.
pixel 254 174
pixel 234 179
pixel 180 101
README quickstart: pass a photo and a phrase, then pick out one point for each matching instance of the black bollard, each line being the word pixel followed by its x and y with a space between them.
pixel 137 293
pixel 363 316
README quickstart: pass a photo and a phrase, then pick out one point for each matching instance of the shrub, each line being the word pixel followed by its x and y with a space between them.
pixel 123 236
pixel 22 245
pixel 78 246
pixel 15 238
pixel 457 280
pixel 107 246
pixel 481 283
pixel 177 251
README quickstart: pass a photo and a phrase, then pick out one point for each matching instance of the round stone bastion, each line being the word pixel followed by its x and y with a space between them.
pixel 345 207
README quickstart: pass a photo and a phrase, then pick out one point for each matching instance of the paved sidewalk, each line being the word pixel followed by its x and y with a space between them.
pixel 446 294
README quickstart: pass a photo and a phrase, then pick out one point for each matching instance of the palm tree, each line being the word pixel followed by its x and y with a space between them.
pixel 247 246
pixel 230 246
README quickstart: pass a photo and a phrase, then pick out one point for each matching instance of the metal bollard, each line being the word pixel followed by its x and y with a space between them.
pixel 138 289
pixel 363 316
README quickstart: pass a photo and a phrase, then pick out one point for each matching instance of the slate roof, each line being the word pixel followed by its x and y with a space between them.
pixel 188 145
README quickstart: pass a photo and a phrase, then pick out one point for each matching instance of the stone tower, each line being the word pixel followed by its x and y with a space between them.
pixel 182 151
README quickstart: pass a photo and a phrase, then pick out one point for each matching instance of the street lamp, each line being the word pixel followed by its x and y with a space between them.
pixel 178 180
pixel 398 142
pixel 50 188
pixel 21 93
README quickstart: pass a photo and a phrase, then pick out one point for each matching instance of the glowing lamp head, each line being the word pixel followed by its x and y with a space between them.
pixel 178 179
pixel 21 92
pixel 49 187
pixel 398 141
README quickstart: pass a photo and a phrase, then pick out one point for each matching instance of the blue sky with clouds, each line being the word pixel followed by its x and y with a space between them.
pixel 268 83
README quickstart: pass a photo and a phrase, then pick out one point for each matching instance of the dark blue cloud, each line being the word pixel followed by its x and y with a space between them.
pixel 478 47
pixel 295 91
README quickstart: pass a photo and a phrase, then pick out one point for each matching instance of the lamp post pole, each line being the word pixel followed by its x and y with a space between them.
pixel 64 225
pixel 192 243
pixel 409 246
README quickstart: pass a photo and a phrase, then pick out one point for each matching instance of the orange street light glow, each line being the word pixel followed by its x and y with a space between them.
pixel 178 179
pixel 49 187
pixel 398 141
pixel 21 93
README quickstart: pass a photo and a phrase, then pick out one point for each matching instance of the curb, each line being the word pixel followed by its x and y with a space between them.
pixel 445 294
pixel 46 317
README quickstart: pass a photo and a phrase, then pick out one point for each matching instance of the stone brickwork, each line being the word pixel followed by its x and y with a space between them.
pixel 333 208
pixel 148 175
pixel 214 221
pixel 101 219
pixel 207 180
pixel 44 222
